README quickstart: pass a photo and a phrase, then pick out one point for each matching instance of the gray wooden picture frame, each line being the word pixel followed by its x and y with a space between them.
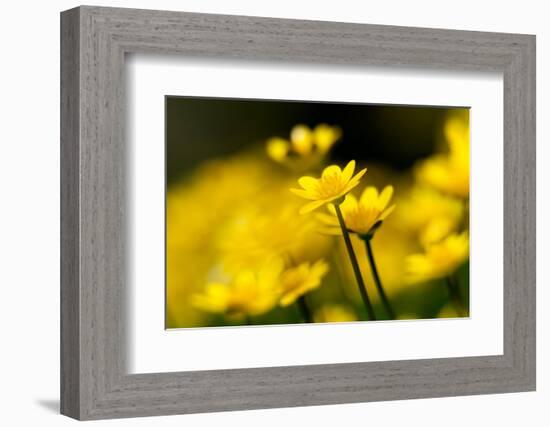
pixel 94 382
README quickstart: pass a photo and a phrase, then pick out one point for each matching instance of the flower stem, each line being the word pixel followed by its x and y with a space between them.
pixel 378 282
pixel 304 309
pixel 454 293
pixel 355 264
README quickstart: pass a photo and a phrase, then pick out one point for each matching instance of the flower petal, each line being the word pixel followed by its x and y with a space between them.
pixel 351 185
pixel 369 197
pixel 327 219
pixel 303 193
pixel 349 203
pixel 311 206
pixel 331 170
pixel 309 183
pixel 358 176
pixel 384 198
pixel 331 209
pixel 386 213
pixel 320 268
pixel 331 231
pixel 347 173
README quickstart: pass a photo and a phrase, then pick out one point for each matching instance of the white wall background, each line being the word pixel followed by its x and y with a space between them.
pixel 29 214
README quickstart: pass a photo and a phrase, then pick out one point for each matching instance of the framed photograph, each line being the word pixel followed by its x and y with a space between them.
pixel 263 213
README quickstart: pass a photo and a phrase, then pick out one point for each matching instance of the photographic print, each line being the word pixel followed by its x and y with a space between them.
pixel 292 212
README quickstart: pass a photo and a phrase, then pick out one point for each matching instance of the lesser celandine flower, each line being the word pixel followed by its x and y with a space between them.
pixel 198 208
pixel 390 245
pixel 440 259
pixel 436 230
pixel 333 185
pixel 334 313
pixel 250 293
pixel 429 214
pixel 305 147
pixel 258 232
pixel 325 136
pixel 362 216
pixel 450 173
pixel 297 281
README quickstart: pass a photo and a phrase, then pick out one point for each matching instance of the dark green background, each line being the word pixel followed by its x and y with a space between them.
pixel 202 128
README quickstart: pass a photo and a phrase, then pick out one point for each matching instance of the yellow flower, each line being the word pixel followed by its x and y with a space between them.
pixel 325 136
pixel 334 313
pixel 436 230
pixel 259 232
pixel 440 259
pixel 249 293
pixel 450 173
pixel 301 139
pixel 277 149
pixel 305 148
pixel 299 280
pixel 361 216
pixel 429 214
pixel 195 219
pixel 334 184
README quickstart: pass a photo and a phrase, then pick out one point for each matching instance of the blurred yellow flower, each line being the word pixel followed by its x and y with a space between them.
pixel 249 293
pixel 301 139
pixel 450 173
pixel 325 136
pixel 278 149
pixel 361 216
pixel 255 234
pixel 429 214
pixel 334 313
pixel 194 219
pixel 334 184
pixel 299 280
pixel 436 230
pixel 440 259
pixel 306 147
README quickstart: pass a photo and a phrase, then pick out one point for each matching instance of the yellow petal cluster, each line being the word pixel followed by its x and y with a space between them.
pixel 256 233
pixel 249 293
pixel 254 292
pixel 450 173
pixel 333 184
pixel 306 147
pixel 428 214
pixel 299 280
pixel 439 259
pixel 197 209
pixel 363 215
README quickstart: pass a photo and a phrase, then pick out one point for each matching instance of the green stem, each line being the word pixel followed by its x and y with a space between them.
pixel 304 309
pixel 456 298
pixel 355 264
pixel 378 282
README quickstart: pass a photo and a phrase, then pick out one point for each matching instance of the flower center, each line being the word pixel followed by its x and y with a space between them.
pixel 331 185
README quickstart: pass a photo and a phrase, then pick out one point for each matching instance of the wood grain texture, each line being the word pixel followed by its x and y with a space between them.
pixel 70 291
pixel 94 268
